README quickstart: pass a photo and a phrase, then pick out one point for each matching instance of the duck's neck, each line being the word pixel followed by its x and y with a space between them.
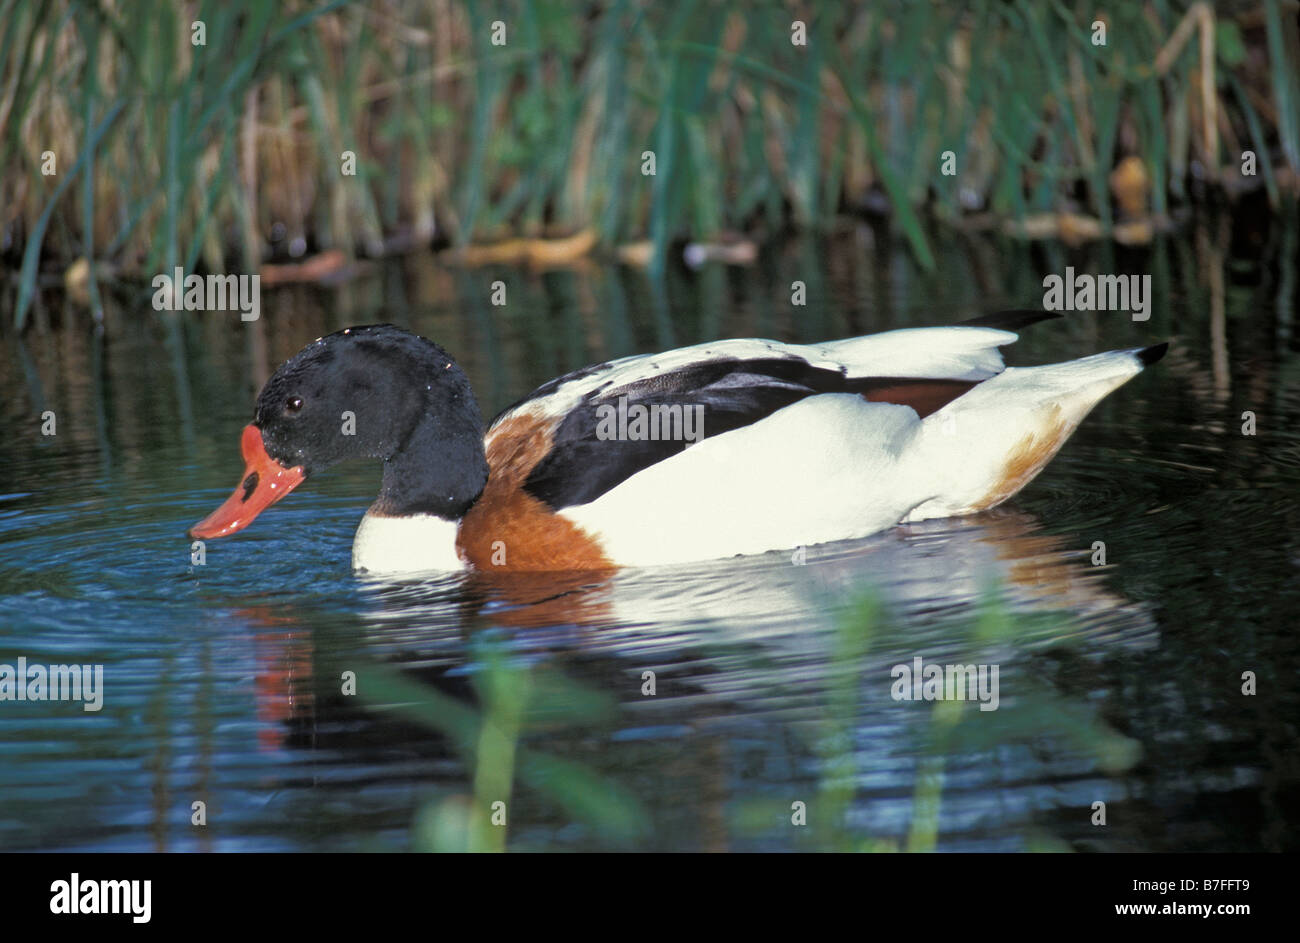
pixel 440 469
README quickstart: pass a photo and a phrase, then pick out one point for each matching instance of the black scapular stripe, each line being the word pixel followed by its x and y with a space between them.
pixel 732 393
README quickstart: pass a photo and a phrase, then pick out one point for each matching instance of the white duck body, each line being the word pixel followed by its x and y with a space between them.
pixel 835 466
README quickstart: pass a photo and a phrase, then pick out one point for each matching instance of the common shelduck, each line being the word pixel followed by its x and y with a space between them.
pixel 730 447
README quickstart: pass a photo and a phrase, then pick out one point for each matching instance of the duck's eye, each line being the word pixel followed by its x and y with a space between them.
pixel 293 404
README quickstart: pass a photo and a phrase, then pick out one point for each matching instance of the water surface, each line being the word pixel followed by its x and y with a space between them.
pixel 224 682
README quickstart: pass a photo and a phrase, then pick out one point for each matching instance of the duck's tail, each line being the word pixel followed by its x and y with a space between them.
pixel 989 443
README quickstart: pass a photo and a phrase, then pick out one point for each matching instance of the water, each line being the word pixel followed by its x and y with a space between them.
pixel 224 683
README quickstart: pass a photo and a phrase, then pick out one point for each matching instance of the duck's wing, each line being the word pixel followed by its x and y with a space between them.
pixel 729 385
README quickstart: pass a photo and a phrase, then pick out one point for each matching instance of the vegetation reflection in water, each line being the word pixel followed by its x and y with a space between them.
pixel 515 697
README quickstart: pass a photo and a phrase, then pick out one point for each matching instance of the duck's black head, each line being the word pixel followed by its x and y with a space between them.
pixel 375 392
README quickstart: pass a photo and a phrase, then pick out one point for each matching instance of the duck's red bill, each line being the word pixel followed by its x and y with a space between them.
pixel 265 482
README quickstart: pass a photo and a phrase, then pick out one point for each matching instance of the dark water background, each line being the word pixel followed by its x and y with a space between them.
pixel 1119 684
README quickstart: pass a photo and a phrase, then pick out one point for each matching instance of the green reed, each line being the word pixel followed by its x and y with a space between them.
pixel 945 731
pixel 512 702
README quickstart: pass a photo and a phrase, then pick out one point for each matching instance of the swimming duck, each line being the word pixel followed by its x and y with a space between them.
pixel 730 447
